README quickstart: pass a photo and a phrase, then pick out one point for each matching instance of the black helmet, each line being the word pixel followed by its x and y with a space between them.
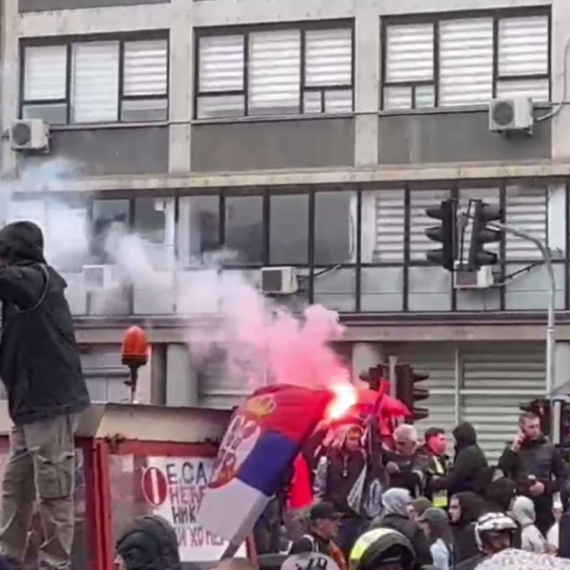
pixel 381 545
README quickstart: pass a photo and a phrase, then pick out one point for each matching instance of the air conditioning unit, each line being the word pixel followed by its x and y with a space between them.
pixel 29 134
pixel 511 115
pixel 279 280
pixel 481 279
pixel 100 277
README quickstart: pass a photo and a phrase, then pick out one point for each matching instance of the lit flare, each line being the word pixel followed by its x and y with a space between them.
pixel 345 397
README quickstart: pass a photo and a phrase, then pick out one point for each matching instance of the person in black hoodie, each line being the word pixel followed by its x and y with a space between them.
pixel 397 503
pixel 536 467
pixel 469 466
pixel 149 543
pixel 41 370
pixel 464 510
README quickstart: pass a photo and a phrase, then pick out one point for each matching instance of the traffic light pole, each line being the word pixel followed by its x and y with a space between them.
pixel 550 341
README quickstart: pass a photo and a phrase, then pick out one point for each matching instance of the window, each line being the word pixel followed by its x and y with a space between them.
pixel 244 229
pixel 96 81
pixel 289 229
pixel 277 72
pixel 335 227
pixel 466 61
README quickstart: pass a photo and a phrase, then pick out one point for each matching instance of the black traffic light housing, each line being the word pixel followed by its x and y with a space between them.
pixel 481 235
pixel 445 234
pixel 374 376
pixel 409 393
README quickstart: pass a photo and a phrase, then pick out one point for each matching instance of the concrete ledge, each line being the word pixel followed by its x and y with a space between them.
pixel 339 178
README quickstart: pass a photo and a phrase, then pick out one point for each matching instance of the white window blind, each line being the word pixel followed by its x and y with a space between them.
pixel 526 209
pixel 389 244
pixel 409 52
pixel 328 57
pixel 523 51
pixel 145 68
pixel 95 82
pixel 466 62
pixel 221 63
pixel 420 244
pixel 45 72
pixel 274 72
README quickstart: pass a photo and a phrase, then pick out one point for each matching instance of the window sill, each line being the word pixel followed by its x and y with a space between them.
pixel 451 110
pixel 105 126
pixel 273 118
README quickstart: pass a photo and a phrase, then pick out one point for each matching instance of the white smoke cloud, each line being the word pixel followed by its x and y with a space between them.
pixel 227 317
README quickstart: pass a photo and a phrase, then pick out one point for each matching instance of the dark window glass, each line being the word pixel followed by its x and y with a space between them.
pixel 289 229
pixel 335 227
pixel 106 214
pixel 198 227
pixel 244 228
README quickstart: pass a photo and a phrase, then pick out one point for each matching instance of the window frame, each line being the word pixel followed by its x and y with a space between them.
pixel 245 31
pixel 435 19
pixel 68 42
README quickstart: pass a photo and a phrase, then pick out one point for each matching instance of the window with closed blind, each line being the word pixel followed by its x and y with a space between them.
pixel 102 81
pixel 454 61
pixel 281 71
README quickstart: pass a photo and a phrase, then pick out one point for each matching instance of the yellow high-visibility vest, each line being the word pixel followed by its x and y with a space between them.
pixel 439 498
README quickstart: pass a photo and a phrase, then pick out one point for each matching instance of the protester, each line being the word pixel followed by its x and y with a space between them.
pixel 439 464
pixel 564 534
pixel 435 524
pixel 499 495
pixel 464 510
pixel 418 507
pixel 149 543
pixel 396 503
pixel 494 532
pixel 41 370
pixel 535 466
pixel 323 529
pixel 337 474
pixel 383 549
pixel 552 535
pixel 470 464
pixel 532 539
pixel 407 466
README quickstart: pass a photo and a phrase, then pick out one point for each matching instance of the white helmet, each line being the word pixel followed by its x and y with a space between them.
pixel 493 522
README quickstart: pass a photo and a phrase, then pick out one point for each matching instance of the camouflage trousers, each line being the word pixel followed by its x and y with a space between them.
pixel 40 470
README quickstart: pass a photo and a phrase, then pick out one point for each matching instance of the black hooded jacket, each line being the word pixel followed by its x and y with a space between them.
pixel 149 543
pixel 464 529
pixel 39 358
pixel 470 464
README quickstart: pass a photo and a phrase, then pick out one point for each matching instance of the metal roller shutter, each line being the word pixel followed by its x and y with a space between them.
pixel 495 381
pixel 45 72
pixel 389 243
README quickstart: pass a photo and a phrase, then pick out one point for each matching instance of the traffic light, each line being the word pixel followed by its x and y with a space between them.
pixel 407 391
pixel 374 376
pixel 445 234
pixel 481 235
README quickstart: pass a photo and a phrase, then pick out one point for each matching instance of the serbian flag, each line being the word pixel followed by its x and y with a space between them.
pixel 258 449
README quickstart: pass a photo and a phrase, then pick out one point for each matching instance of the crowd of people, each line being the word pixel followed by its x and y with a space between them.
pixel 452 513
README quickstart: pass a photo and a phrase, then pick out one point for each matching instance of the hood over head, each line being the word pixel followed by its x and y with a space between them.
pixel 500 492
pixel 149 543
pixel 464 435
pixel 22 242
pixel 396 501
pixel 523 511
pixel 471 506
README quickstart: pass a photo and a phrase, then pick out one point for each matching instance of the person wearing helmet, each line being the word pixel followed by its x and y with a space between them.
pixel 382 549
pixel 494 532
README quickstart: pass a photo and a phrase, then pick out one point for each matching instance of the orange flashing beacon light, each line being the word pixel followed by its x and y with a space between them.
pixel 134 354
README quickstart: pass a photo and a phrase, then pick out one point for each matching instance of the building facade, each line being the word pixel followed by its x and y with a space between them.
pixel 309 134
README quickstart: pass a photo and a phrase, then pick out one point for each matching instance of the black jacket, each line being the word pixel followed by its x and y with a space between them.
pixel 413 472
pixel 413 533
pixel 39 359
pixel 541 459
pixel 464 529
pixel 470 464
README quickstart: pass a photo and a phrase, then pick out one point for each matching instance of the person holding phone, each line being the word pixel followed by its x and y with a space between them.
pixel 534 464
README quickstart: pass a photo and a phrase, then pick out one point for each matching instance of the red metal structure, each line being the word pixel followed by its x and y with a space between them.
pixel 135 460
